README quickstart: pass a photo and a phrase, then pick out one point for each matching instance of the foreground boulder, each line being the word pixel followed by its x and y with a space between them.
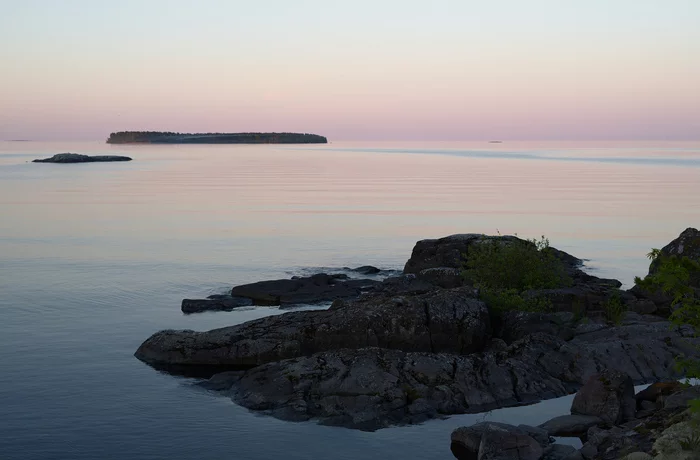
pixel 441 321
pixel 608 395
pixel 78 158
pixel 571 425
pixel 499 441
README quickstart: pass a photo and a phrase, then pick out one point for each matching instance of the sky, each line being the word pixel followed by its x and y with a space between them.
pixel 352 70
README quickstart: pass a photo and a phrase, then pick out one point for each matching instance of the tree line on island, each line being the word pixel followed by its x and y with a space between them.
pixel 167 137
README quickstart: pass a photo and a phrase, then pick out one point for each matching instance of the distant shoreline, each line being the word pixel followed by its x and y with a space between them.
pixel 159 137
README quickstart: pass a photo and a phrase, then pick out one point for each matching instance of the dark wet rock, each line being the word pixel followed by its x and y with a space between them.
pixel 646 405
pixel 687 244
pixel 449 251
pixel 499 445
pixel 478 441
pixel 441 321
pixel 78 158
pixel 367 270
pixel 371 388
pixel 579 298
pixel 403 285
pixel 222 381
pixel 515 325
pixel 421 370
pixel 444 277
pixel 453 251
pixel 218 303
pixel 608 395
pixel 307 290
pixel 641 306
pixel 440 262
pixel 558 452
pixel 588 451
pixel 571 425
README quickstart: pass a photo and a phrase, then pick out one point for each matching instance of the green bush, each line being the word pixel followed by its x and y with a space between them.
pixel 614 308
pixel 503 269
pixel 672 275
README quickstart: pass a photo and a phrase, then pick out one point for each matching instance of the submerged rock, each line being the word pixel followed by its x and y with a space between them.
pixel 78 158
pixel 214 303
pixel 303 290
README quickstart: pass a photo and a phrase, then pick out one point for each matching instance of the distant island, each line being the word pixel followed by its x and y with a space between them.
pixel 159 137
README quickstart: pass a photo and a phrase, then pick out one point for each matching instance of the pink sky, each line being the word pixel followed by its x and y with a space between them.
pixel 543 72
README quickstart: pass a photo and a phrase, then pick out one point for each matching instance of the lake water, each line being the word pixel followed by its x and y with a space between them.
pixel 94 258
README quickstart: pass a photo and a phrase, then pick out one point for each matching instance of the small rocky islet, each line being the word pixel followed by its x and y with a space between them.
pixel 80 158
pixel 424 344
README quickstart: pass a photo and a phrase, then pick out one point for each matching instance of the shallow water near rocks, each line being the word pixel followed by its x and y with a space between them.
pixel 94 258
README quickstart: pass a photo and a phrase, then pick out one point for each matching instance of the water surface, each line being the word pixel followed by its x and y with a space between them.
pixel 96 257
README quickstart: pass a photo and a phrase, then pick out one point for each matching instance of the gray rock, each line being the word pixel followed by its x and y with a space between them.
pixel 452 251
pixel 668 445
pixel 441 321
pixel 78 158
pixel 367 270
pixel 558 452
pixel 647 405
pixel 468 438
pixel 444 277
pixel 571 425
pixel 682 398
pixel 403 285
pixel 420 372
pixel 588 451
pixel 515 325
pixel 501 445
pixel 468 442
pixel 608 395
pixel 638 456
pixel 303 290
pixel 222 381
pixel 687 244
pixel 576 455
pixel 220 303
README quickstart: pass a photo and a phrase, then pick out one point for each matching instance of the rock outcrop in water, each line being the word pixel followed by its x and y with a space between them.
pixel 78 158
pixel 409 350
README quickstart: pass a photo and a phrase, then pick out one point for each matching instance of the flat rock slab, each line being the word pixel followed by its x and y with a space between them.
pixel 313 289
pixel 571 425
pixel 78 158
pixel 217 303
pixel 442 321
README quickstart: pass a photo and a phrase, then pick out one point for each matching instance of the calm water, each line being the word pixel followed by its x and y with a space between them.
pixel 96 257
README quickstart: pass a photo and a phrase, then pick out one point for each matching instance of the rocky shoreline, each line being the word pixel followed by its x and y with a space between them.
pixel 424 344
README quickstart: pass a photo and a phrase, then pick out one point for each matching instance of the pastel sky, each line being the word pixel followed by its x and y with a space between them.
pixel 352 70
